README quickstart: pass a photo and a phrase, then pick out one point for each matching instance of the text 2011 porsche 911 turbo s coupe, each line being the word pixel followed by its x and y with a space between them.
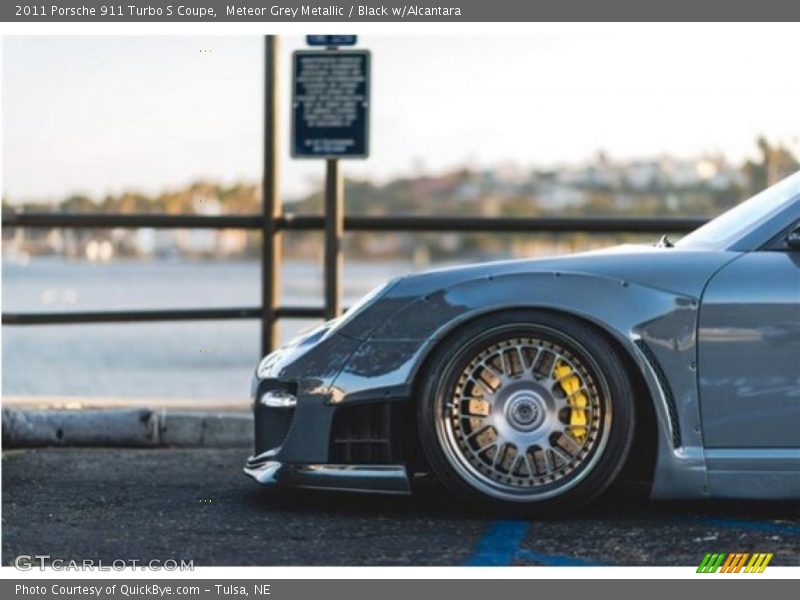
pixel 536 381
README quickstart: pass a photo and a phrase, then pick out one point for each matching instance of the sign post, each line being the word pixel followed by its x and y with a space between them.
pixel 334 233
pixel 330 116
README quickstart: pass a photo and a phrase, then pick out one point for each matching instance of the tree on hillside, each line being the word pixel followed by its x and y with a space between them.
pixel 776 162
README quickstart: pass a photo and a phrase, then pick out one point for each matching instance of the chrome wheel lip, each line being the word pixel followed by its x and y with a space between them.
pixel 467 471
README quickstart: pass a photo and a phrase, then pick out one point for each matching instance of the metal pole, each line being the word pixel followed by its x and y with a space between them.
pixel 334 230
pixel 271 202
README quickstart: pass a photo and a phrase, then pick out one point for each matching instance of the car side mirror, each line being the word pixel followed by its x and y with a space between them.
pixel 793 239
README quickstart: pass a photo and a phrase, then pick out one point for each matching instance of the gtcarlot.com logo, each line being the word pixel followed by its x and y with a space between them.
pixel 27 562
pixel 737 562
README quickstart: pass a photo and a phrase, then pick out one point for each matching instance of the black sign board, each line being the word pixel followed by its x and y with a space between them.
pixel 331 40
pixel 330 103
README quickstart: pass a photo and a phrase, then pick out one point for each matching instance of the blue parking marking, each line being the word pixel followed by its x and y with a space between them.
pixel 499 545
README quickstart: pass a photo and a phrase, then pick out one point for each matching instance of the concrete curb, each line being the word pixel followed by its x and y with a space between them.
pixel 137 428
pixel 208 430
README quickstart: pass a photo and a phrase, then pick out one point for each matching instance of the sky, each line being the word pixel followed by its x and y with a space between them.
pixel 99 115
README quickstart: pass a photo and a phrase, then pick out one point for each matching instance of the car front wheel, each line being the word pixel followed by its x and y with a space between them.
pixel 526 408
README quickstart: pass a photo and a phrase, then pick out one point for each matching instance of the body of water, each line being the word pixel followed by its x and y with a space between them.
pixel 193 359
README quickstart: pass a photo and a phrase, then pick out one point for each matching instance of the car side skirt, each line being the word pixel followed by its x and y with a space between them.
pixel 754 473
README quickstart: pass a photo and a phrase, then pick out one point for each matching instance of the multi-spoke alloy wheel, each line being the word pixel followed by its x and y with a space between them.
pixel 523 412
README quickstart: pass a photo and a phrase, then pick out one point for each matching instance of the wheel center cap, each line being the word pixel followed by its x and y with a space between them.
pixel 525 410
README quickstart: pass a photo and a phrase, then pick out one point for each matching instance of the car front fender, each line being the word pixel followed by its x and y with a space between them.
pixel 657 329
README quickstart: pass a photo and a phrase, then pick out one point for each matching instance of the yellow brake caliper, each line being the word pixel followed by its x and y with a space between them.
pixel 571 384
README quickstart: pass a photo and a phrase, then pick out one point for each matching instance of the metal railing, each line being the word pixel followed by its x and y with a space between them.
pixel 273 221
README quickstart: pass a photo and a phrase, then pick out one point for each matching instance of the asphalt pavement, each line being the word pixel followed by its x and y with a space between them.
pixel 195 504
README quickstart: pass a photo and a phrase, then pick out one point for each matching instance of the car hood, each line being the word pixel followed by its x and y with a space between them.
pixel 678 270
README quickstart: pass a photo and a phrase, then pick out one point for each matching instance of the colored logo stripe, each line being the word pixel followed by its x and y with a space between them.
pixel 711 562
pixel 735 562
pixel 758 563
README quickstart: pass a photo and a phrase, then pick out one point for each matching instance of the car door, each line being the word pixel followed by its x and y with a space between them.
pixel 749 352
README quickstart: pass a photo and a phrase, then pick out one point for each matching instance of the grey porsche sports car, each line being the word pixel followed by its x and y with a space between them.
pixel 539 381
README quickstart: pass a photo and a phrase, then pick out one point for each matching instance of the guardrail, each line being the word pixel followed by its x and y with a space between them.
pixel 415 223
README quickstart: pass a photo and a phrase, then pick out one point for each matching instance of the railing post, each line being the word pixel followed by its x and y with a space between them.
pixel 334 231
pixel 270 201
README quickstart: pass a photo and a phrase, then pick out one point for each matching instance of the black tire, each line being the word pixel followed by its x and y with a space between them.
pixel 611 415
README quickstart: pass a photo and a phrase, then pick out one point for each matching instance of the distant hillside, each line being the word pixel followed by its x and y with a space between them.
pixel 661 186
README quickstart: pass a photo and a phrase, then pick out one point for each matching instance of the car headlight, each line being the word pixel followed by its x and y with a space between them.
pixel 320 332
pixel 266 364
pixel 362 303
pixel 264 367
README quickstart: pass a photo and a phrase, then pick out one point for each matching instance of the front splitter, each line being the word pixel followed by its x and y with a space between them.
pixel 380 479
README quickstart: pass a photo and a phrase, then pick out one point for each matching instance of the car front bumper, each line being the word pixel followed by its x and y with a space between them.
pixel 305 438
